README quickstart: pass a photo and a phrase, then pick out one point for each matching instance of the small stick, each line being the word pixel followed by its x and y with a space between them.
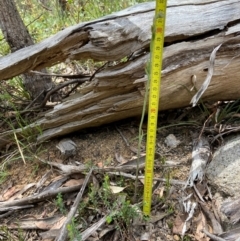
pixel 172 181
pixel 85 234
pixel 212 236
pixel 217 228
pixel 124 138
pixel 36 198
pixel 69 76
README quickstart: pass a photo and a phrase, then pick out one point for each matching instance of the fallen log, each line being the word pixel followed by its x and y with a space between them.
pixel 193 29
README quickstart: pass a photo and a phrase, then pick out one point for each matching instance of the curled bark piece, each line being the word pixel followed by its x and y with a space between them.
pixel 200 156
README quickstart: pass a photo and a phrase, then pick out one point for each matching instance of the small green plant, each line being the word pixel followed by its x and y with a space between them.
pixel 168 183
pixel 106 192
pixel 81 207
pixel 186 238
pixel 170 209
pixel 5 233
pixel 21 235
pixel 73 232
pixel 92 196
pixel 228 113
pixel 60 204
pixel 170 224
pixel 163 160
pixel 3 176
pixel 123 214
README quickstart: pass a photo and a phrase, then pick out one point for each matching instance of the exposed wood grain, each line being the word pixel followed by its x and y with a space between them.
pixel 194 28
pixel 118 35
pixel 120 97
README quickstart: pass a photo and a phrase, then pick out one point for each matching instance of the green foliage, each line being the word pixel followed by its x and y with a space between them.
pixel 47 18
pixel 121 210
pixel 3 176
pixel 228 113
pixel 13 94
pixel 92 195
pixel 168 184
pixel 124 216
pixel 73 232
pixel 186 238
pixel 5 234
pixel 60 204
pixel 106 192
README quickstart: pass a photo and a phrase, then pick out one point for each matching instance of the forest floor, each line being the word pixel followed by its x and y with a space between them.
pixel 107 194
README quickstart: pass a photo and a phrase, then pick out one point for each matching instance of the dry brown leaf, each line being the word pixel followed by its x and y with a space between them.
pixel 202 224
pixel 34 223
pixel 49 235
pixel 202 188
pixel 73 182
pixel 100 164
pixel 57 178
pixel 18 195
pixel 116 189
pixel 133 149
pixel 59 223
pixel 10 192
pixel 179 223
pixel 50 223
pixel 159 191
pixel 120 159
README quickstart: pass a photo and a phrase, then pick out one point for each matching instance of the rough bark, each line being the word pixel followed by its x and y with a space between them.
pixel 18 37
pixel 193 29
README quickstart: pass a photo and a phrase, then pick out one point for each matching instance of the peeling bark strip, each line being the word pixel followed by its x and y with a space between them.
pixel 200 156
pixel 193 29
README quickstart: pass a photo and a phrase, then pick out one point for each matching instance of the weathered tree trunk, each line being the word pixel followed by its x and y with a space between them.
pixel 17 36
pixel 193 29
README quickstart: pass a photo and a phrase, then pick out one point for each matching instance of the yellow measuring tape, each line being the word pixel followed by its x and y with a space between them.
pixel 154 93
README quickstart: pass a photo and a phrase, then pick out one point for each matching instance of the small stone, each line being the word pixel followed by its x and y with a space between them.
pixel 171 141
pixel 145 237
pixel 176 237
pixel 67 148
pixel 168 237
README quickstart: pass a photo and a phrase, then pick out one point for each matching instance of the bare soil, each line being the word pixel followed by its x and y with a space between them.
pixel 110 146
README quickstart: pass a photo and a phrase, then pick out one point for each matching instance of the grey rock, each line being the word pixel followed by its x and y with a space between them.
pixel 67 148
pixel 224 170
pixel 171 141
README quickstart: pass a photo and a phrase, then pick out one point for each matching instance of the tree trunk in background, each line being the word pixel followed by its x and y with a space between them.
pixel 63 5
pixel 17 36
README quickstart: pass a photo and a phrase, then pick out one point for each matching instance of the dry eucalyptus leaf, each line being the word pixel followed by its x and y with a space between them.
pixel 116 189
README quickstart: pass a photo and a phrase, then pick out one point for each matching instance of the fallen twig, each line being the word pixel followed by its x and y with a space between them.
pixel 38 197
pixel 171 181
pixel 69 76
pixel 94 227
pixel 125 140
pixel 212 236
pixel 10 210
pixel 217 228
pixel 71 169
